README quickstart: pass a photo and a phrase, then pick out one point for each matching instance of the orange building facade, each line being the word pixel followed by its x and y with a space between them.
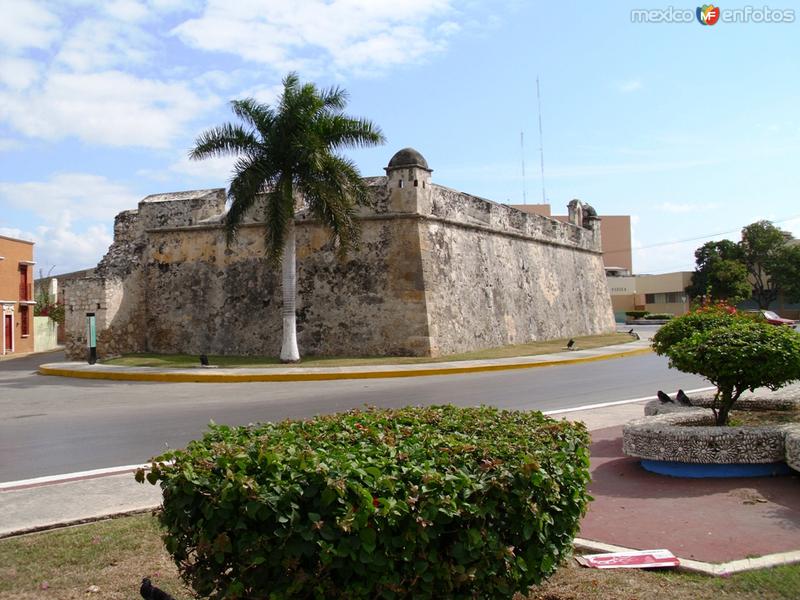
pixel 16 296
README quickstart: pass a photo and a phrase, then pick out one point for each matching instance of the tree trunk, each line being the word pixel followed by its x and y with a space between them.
pixel 726 403
pixel 289 352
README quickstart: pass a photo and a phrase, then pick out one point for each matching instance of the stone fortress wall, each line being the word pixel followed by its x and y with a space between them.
pixel 437 272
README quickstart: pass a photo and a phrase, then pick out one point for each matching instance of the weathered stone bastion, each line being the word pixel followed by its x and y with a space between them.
pixel 438 271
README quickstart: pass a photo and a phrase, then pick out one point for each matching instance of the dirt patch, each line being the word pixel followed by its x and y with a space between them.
pixel 751 418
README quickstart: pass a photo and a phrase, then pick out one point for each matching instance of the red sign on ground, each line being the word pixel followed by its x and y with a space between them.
pixel 635 559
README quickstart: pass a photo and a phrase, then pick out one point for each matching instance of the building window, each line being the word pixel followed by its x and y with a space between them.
pixel 24 320
pixel 24 286
pixel 664 298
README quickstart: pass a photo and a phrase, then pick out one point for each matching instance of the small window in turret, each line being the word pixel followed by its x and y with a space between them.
pixel 401 183
pixel 416 183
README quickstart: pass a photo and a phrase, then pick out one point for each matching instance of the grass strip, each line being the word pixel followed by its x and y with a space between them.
pixel 532 349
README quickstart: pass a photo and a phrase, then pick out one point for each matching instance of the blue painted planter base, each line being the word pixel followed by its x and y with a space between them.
pixel 682 469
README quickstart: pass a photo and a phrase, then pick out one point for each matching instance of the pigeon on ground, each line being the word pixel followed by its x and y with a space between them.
pixel 570 344
pixel 682 398
pixel 151 592
pixel 664 398
pixel 633 334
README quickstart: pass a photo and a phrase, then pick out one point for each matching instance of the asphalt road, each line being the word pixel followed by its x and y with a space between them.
pixel 55 425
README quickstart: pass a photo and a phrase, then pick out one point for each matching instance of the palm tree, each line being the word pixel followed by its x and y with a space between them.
pixel 287 154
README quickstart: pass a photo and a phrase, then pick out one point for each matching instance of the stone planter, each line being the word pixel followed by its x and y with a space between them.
pixel 683 441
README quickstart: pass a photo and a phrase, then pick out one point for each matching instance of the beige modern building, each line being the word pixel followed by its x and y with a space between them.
pixel 664 293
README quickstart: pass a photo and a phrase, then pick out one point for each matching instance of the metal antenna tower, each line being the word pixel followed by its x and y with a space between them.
pixel 522 150
pixel 541 137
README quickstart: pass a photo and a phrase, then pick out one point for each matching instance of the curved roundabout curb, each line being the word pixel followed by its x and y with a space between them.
pixel 241 375
pixel 684 442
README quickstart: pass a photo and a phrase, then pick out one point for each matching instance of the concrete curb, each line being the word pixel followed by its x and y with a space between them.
pixel 202 376
pixel 78 522
pixel 695 566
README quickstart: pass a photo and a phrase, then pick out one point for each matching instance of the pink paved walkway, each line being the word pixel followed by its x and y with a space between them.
pixel 711 520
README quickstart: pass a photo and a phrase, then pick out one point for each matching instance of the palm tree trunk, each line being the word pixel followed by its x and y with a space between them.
pixel 289 352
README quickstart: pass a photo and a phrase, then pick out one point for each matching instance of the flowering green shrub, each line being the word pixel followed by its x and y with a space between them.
pixel 700 320
pixel 736 352
pixel 438 502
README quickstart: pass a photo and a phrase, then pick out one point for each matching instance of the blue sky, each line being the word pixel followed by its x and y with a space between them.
pixel 692 130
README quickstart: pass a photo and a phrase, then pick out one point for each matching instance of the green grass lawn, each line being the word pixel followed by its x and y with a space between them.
pixel 108 560
pixel 534 348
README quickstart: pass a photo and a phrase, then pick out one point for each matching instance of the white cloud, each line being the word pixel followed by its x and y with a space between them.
pixel 126 10
pixel 171 6
pixel 69 196
pixel 69 248
pixel 18 73
pixel 73 215
pixel 64 248
pixel 15 233
pixel 221 80
pixel 629 86
pixel 360 35
pixel 112 108
pixel 27 24
pixel 215 171
pixel 96 44
pixel 264 94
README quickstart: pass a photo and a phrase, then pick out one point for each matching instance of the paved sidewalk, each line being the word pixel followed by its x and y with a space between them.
pixel 711 520
pixel 13 356
pixel 47 505
pixel 235 375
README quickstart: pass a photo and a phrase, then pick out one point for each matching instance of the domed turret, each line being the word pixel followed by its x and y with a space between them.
pixel 409 177
pixel 408 157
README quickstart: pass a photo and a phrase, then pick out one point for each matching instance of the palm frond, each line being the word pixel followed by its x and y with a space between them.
pixel 250 180
pixel 334 98
pixel 332 194
pixel 290 147
pixel 259 116
pixel 340 131
pixel 224 140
